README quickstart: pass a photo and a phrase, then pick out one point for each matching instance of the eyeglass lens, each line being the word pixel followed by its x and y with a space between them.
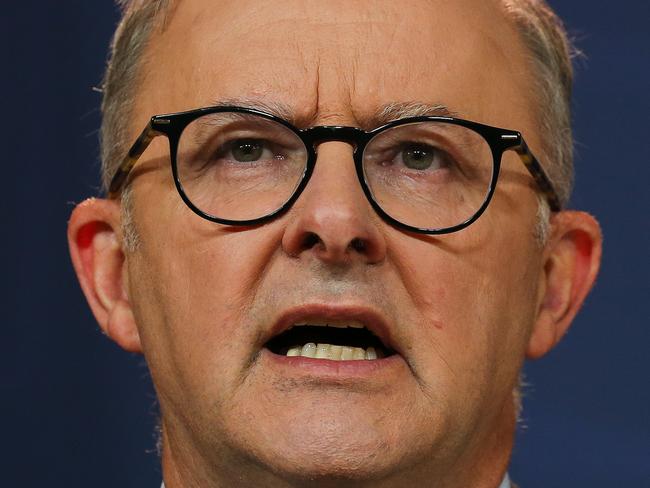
pixel 240 166
pixel 430 175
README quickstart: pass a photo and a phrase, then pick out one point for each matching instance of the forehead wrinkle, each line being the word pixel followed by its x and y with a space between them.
pixel 384 114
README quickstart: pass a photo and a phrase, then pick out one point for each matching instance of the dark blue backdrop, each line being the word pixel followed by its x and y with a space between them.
pixel 78 412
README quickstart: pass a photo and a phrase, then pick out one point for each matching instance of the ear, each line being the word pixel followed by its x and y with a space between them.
pixel 571 261
pixel 94 241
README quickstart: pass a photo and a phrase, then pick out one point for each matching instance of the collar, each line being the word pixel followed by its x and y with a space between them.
pixel 506 482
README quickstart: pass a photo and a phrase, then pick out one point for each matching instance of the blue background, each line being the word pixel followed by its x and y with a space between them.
pixel 77 411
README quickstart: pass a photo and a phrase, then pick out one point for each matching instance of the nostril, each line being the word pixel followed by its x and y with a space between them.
pixel 310 240
pixel 358 245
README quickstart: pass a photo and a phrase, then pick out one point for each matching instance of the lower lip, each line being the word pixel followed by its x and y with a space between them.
pixel 335 370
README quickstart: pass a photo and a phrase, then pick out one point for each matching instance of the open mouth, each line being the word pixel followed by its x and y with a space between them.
pixel 333 341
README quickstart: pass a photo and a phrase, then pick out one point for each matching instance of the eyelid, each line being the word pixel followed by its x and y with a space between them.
pixel 227 146
pixel 401 146
pixel 433 140
pixel 221 145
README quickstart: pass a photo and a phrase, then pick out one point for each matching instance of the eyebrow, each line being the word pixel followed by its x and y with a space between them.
pixel 383 115
pixel 275 108
pixel 402 110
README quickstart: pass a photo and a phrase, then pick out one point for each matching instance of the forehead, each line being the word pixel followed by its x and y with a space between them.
pixel 338 59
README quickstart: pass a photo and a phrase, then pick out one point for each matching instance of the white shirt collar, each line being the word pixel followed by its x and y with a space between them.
pixel 506 482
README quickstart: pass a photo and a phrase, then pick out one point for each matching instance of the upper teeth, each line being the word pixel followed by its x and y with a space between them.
pixel 330 351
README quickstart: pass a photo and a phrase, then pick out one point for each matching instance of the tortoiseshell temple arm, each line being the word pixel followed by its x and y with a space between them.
pixel 139 147
pixel 540 176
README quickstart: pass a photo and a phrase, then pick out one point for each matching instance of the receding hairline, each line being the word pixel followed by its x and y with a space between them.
pixel 394 110
pixel 540 33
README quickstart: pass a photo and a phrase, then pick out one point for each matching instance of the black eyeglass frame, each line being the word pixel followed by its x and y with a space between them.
pixel 172 126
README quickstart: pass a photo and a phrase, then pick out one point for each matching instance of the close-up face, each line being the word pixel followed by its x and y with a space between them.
pixel 454 312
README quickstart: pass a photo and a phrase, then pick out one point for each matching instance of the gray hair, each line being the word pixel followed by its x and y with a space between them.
pixel 541 30
pixel 550 55
pixel 122 77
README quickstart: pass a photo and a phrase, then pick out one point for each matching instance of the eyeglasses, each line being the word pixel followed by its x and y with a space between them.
pixel 241 166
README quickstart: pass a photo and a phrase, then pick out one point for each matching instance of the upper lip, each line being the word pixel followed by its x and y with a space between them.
pixel 370 318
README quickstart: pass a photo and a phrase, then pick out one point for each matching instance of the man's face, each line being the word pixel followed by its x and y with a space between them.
pixel 457 308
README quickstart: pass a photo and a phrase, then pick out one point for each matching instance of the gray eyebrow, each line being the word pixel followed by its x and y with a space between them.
pixel 276 108
pixel 402 110
pixel 385 114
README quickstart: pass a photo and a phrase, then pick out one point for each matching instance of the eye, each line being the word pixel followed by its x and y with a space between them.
pixel 418 156
pixel 422 157
pixel 247 150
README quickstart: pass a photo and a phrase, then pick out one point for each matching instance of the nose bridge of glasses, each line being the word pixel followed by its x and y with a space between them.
pixel 354 136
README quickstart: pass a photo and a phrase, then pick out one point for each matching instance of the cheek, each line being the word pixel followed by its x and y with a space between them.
pixel 191 285
pixel 474 293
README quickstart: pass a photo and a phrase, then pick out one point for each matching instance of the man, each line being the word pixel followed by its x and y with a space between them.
pixel 333 258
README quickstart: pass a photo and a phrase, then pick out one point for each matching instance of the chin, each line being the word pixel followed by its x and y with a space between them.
pixel 330 468
pixel 337 452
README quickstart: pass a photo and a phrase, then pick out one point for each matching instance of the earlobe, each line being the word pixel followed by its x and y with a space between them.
pixel 571 263
pixel 98 259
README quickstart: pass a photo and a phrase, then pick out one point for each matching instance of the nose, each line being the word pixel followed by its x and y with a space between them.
pixel 332 220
